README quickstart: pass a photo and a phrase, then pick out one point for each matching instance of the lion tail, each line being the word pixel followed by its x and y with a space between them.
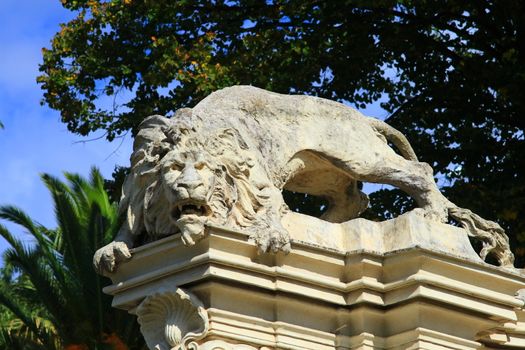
pixel 493 237
pixel 395 136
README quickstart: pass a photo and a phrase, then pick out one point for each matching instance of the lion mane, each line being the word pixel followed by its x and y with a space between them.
pixel 235 200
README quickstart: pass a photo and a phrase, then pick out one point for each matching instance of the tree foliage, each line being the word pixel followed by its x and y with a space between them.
pixel 50 295
pixel 451 74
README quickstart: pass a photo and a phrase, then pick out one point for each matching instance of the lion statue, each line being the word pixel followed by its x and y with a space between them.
pixel 226 161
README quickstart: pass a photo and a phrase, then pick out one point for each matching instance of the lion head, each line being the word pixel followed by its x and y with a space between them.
pixel 182 179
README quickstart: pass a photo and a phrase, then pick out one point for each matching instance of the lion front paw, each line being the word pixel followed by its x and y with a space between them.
pixel 272 240
pixel 107 258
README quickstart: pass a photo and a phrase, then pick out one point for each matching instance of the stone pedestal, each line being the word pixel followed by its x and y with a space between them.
pixel 406 283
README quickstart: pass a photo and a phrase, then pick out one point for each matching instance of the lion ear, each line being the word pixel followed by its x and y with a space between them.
pixel 183 113
pixel 154 121
pixel 151 139
pixel 233 136
pixel 152 129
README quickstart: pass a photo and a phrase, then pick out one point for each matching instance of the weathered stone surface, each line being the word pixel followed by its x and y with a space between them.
pixel 226 161
pixel 407 231
pixel 320 298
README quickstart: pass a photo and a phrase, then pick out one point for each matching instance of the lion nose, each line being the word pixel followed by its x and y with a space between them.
pixel 189 179
pixel 190 185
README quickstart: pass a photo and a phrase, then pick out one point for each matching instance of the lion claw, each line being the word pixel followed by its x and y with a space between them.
pixel 275 241
pixel 107 258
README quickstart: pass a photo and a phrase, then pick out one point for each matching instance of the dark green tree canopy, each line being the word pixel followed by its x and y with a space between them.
pixel 451 74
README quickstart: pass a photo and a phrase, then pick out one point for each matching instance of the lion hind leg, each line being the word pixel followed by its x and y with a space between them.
pixel 346 204
pixel 492 235
pixel 414 178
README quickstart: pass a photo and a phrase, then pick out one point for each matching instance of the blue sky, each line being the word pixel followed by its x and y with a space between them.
pixel 34 140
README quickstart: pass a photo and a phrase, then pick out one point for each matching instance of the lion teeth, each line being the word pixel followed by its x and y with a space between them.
pixel 189 209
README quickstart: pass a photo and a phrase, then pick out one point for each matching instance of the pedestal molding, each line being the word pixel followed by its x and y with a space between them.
pixel 277 275
pixel 361 299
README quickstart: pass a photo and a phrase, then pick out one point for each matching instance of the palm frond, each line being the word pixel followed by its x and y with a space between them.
pixel 18 216
pixel 67 218
pixel 23 257
pixel 54 291
pixel 43 334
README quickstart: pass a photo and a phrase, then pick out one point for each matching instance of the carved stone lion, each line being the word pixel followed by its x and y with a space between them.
pixel 227 160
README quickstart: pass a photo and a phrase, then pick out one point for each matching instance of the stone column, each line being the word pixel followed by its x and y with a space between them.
pixel 406 283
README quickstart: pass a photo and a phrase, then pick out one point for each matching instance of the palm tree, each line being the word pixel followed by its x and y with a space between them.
pixel 50 294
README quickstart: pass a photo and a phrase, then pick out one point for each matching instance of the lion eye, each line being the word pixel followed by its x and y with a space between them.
pixel 199 165
pixel 175 166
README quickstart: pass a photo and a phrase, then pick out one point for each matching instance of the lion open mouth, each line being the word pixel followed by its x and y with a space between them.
pixel 190 218
pixel 190 209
